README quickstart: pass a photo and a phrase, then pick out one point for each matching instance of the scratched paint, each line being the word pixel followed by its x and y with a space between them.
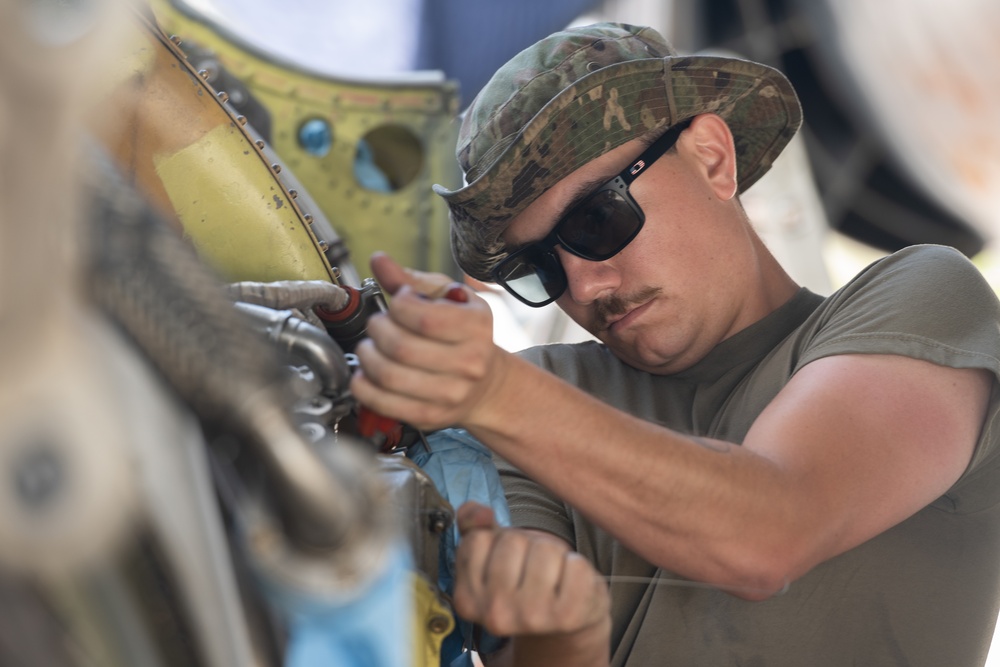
pixel 223 200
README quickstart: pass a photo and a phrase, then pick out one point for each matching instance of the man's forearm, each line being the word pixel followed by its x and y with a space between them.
pixel 609 465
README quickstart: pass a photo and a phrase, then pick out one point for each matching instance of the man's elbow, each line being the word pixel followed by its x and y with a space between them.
pixel 762 575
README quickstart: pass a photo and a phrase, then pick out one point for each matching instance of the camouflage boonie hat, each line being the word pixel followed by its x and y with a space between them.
pixel 576 95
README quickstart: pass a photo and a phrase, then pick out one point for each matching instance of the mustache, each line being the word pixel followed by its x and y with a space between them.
pixel 614 305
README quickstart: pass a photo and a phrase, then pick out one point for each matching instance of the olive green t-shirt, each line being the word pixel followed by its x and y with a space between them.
pixel 922 593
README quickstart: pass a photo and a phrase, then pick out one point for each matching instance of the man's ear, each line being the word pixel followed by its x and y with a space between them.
pixel 710 142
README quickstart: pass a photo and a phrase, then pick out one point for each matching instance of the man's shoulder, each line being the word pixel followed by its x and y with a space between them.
pixel 918 277
pixel 921 262
pixel 928 302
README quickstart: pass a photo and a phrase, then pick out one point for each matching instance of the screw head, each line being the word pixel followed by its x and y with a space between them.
pixel 438 624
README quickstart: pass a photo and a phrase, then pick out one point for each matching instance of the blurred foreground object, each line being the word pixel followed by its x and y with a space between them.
pixel 90 439
pixel 165 498
pixel 367 150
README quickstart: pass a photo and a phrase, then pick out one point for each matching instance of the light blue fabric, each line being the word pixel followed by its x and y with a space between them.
pixel 462 469
pixel 368 173
pixel 371 627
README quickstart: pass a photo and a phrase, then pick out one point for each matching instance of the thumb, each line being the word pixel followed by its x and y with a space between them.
pixel 392 276
pixel 473 516
pixel 389 273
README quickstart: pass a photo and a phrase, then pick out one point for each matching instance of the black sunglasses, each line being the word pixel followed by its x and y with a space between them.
pixel 596 229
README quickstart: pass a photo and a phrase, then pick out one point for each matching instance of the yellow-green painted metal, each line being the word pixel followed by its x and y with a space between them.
pixel 193 158
pixel 410 222
pixel 432 622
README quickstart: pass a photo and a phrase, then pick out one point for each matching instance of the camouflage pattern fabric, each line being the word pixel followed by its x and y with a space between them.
pixel 579 93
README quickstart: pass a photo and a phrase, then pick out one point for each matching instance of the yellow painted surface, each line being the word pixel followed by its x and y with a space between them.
pixel 238 218
pixel 410 222
pixel 179 144
pixel 432 622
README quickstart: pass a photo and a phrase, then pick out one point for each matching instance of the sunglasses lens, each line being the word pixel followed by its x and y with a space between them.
pixel 600 227
pixel 534 275
pixel 597 229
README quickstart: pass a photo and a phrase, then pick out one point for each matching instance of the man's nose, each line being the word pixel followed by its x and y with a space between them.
pixel 587 280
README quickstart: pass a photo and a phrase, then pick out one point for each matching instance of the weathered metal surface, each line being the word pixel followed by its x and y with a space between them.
pixel 401 133
pixel 172 133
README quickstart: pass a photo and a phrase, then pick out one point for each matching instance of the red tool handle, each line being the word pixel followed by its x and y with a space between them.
pixel 371 423
pixel 456 293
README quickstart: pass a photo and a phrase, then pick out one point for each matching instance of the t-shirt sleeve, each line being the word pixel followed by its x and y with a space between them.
pixel 929 303
pixel 926 302
pixel 532 505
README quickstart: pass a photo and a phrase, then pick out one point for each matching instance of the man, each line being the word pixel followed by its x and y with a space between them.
pixel 763 476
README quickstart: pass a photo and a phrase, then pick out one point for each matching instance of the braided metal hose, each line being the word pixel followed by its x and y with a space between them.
pixel 155 288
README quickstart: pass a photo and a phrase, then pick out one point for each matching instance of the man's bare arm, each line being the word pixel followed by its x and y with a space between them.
pixel 851 446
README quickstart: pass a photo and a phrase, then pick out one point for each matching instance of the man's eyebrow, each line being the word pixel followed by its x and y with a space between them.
pixel 581 192
pixel 585 189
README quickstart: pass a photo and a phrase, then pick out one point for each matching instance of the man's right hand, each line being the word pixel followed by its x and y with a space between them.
pixel 430 361
pixel 532 587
